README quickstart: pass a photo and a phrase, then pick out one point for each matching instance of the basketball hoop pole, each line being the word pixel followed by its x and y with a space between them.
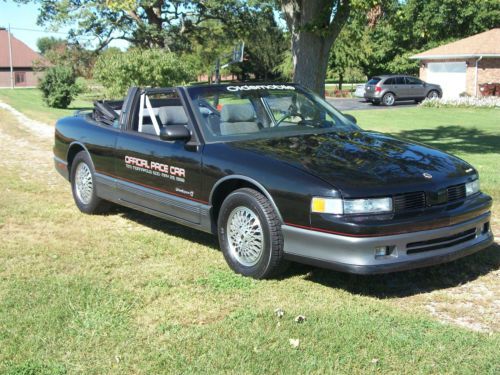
pixel 236 56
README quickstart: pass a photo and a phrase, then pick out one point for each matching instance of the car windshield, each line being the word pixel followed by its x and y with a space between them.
pixel 238 112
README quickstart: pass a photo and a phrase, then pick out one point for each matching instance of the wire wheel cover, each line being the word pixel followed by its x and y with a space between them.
pixel 245 236
pixel 83 183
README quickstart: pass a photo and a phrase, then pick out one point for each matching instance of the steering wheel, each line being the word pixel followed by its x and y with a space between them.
pixel 288 115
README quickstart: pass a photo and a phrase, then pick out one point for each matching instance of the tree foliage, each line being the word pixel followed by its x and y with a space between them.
pixel 339 36
pixel 405 28
pixel 60 52
pixel 48 43
pixel 144 23
pixel 117 70
pixel 58 86
pixel 350 51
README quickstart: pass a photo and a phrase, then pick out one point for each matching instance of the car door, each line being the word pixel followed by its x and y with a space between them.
pixel 400 88
pixel 415 87
pixel 161 176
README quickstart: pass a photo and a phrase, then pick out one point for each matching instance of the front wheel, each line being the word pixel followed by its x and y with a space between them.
pixel 388 99
pixel 433 94
pixel 250 234
pixel 83 185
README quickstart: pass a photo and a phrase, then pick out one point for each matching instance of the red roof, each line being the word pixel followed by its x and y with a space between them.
pixel 22 55
pixel 485 44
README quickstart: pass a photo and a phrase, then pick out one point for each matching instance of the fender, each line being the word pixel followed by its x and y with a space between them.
pixel 250 180
pixel 84 148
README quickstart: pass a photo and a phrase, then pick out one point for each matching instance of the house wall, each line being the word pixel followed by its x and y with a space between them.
pixel 488 71
pixel 31 77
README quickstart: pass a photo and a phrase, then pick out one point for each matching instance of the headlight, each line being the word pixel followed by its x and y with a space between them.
pixel 339 206
pixel 327 205
pixel 367 206
pixel 472 187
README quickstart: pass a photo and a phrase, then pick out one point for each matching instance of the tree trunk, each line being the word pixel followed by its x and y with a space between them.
pixel 310 61
pixel 314 25
pixel 341 80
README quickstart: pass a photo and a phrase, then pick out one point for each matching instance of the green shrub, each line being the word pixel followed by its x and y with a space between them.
pixel 117 70
pixel 58 86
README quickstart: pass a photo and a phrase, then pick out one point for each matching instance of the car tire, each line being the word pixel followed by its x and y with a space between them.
pixel 389 99
pixel 83 185
pixel 250 236
pixel 433 94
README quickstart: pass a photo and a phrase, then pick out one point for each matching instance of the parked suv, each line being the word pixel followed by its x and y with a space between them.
pixel 388 89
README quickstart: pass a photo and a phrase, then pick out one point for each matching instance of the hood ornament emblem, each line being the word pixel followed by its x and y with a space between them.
pixel 427 175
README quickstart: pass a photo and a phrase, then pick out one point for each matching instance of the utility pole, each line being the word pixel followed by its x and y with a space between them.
pixel 10 62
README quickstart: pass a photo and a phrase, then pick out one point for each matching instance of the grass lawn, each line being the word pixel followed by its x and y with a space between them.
pixel 126 293
pixel 29 102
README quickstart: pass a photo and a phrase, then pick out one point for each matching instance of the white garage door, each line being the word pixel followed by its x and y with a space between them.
pixel 449 75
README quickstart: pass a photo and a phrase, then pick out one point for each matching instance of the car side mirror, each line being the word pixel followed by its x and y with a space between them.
pixel 350 118
pixel 175 133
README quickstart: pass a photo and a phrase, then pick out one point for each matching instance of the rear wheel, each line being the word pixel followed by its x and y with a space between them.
pixel 83 185
pixel 388 99
pixel 250 235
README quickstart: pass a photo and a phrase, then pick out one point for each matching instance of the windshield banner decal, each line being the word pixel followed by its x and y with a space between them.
pixel 259 87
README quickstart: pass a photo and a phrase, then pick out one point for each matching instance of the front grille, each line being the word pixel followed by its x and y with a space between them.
pixel 441 243
pixel 456 192
pixel 419 200
pixel 409 201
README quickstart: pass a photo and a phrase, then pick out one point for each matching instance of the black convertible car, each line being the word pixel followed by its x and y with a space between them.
pixel 278 174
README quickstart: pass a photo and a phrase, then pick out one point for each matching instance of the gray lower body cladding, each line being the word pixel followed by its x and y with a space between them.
pixel 405 251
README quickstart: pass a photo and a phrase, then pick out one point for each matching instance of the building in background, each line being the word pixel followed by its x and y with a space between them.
pixel 23 58
pixel 460 67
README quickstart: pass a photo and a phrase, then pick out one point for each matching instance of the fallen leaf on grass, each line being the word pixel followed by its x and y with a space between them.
pixel 294 343
pixel 279 312
pixel 300 319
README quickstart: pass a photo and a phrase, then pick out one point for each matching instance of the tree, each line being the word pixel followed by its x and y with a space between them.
pixel 264 44
pixel 314 25
pixel 72 55
pixel 144 23
pixel 58 86
pixel 46 44
pixel 117 70
pixel 405 28
pixel 349 53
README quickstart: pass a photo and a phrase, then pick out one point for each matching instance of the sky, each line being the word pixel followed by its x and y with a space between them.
pixel 24 17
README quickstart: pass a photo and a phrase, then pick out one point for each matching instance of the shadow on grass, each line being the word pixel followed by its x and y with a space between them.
pixel 167 227
pixel 455 138
pixel 407 283
pixel 393 285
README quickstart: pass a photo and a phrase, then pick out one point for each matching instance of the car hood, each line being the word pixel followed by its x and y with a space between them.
pixel 365 163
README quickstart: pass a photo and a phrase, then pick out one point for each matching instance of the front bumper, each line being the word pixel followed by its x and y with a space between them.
pixel 409 250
